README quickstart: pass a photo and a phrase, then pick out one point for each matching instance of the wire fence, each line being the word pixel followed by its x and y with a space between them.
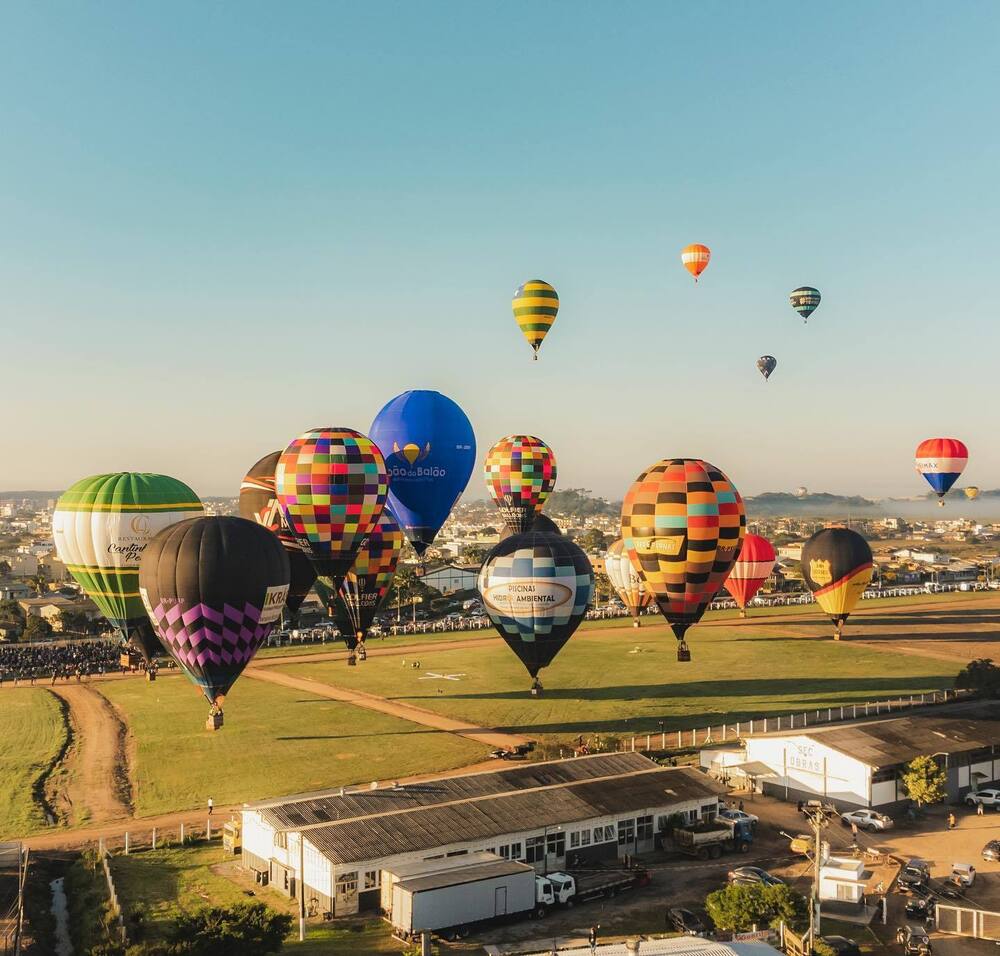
pixel 14 861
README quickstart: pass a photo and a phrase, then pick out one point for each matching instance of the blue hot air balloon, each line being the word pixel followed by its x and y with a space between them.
pixel 430 451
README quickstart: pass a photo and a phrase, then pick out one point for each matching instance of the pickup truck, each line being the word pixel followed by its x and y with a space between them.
pixel 710 840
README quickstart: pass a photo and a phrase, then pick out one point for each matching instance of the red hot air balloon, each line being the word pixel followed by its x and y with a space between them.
pixel 751 570
pixel 695 258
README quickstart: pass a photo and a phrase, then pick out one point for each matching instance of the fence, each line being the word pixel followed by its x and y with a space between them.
pixel 13 873
pixel 113 897
pixel 965 921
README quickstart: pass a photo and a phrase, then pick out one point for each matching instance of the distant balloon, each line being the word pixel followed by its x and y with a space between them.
pixel 751 570
pixel 101 527
pixel 332 486
pixel 258 502
pixel 520 472
pixel 695 258
pixel 941 461
pixel 430 451
pixel 541 523
pixel 626 581
pixel 535 306
pixel 683 523
pixel 214 588
pixel 837 567
pixel 805 300
pixel 972 492
pixel 801 492
pixel 536 588
pixel 766 364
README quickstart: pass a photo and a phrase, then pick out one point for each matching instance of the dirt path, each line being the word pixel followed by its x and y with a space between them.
pixel 416 715
pixel 92 785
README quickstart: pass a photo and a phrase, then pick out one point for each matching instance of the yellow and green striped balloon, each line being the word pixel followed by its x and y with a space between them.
pixel 535 306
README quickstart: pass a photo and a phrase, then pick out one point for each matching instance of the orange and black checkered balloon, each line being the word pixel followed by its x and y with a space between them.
pixel 683 524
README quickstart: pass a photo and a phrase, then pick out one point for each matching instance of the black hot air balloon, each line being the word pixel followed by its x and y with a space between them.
pixel 214 589
pixel 766 364
pixel 536 588
pixel 258 502
pixel 837 567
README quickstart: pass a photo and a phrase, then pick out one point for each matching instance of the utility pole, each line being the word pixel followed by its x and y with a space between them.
pixel 302 886
pixel 818 816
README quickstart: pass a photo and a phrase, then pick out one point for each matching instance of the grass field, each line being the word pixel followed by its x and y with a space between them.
pixel 32 733
pixel 600 684
pixel 275 741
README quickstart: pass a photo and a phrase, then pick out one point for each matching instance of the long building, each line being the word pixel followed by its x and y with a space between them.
pixel 551 815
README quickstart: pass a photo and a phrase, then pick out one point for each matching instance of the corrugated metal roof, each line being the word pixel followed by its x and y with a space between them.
pixel 308 810
pixel 471 874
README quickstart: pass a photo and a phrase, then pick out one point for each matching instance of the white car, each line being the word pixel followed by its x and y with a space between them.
pixel 729 814
pixel 988 798
pixel 870 820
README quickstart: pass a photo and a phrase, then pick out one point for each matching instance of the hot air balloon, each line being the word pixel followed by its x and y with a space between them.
pixel 837 567
pixel 535 306
pixel 536 588
pixel 766 364
pixel 626 581
pixel 214 588
pixel 430 451
pixel 941 461
pixel 683 524
pixel 332 487
pixel 805 300
pixel 520 473
pixel 751 570
pixel 972 492
pixel 259 502
pixel 101 527
pixel 541 522
pixel 695 258
pixel 801 492
pixel 359 598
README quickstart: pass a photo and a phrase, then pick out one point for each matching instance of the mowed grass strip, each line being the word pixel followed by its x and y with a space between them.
pixel 622 680
pixel 32 733
pixel 275 741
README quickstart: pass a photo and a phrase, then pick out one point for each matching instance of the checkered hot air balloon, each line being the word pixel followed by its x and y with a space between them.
pixel 695 258
pixel 520 472
pixel 535 305
pixel 683 524
pixel 805 300
pixel 332 486
pixel 837 567
pixel 941 461
pixel 751 570
pixel 626 581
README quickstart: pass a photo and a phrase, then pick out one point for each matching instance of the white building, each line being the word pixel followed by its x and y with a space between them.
pixel 451 578
pixel 841 879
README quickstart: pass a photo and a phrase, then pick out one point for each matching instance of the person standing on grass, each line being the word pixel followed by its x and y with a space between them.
pixel 211 806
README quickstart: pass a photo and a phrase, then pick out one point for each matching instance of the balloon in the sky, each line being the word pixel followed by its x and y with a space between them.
pixel 766 364
pixel 683 523
pixel 430 451
pixel 101 527
pixel 364 589
pixel 941 461
pixel 535 306
pixel 805 300
pixel 214 588
pixel 751 570
pixel 972 492
pixel 541 523
pixel 259 502
pixel 626 581
pixel 801 491
pixel 332 487
pixel 520 472
pixel 695 258
pixel 837 567
pixel 536 588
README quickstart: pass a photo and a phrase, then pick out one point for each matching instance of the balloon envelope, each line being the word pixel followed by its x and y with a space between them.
pixel 972 492
pixel 837 567
pixel 430 451
pixel 536 588
pixel 766 364
pixel 624 578
pixel 751 570
pixel 683 523
pixel 101 527
pixel 535 306
pixel 801 492
pixel 520 472
pixel 941 461
pixel 332 486
pixel 259 502
pixel 214 588
pixel 695 258
pixel 805 300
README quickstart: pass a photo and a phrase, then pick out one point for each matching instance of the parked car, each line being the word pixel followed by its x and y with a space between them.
pixel 992 851
pixel 727 813
pixel 988 798
pixel 914 874
pixel 685 921
pixel 921 905
pixel 746 875
pixel 802 843
pixel 842 946
pixel 963 874
pixel 914 940
pixel 870 820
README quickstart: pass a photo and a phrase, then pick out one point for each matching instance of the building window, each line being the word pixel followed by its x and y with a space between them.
pixel 626 832
pixel 574 840
pixel 534 849
pixel 457 853
pixel 644 828
pixel 585 838
pixel 882 776
pixel 347 883
pixel 372 879
pixel 557 844
pixel 515 851
pixel 281 841
pixel 709 810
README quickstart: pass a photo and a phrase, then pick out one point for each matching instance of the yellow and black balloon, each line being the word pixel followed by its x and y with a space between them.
pixel 535 306
pixel 837 567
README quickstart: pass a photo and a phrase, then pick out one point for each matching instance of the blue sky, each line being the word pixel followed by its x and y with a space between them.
pixel 223 224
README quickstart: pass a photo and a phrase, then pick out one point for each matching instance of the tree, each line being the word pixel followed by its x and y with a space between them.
pixel 981 676
pixel 12 611
pixel 475 554
pixel 4 568
pixel 245 929
pixel 925 781
pixel 592 540
pixel 73 621
pixel 39 583
pixel 36 629
pixel 736 908
pixel 602 586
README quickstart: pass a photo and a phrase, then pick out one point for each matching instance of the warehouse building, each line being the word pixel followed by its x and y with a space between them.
pixel 861 764
pixel 551 815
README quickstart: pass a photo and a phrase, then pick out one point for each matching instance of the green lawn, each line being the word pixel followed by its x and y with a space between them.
pixel 32 733
pixel 623 680
pixel 275 741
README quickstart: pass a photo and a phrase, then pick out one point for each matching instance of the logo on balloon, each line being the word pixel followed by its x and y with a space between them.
pixel 820 571
pixel 139 524
pixel 411 451
pixel 669 546
pixel 527 598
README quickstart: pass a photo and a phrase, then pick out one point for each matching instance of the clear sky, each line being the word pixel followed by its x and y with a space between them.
pixel 222 224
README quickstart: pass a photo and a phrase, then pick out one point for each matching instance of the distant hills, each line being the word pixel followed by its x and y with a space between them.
pixel 785 503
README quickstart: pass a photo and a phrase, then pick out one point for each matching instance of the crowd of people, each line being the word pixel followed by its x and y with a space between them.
pixel 74 660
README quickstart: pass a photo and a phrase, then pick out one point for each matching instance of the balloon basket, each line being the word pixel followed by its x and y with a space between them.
pixel 214 722
pixel 683 653
pixel 637 623
pixel 352 661
pixel 150 675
